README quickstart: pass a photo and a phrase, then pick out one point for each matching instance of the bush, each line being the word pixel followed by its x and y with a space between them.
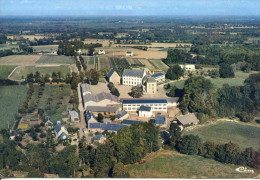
pixel 189 144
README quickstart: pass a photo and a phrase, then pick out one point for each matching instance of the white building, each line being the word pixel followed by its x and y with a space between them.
pixel 145 111
pixel 74 116
pixel 101 51
pixel 85 89
pixel 133 77
pixel 129 53
pixel 159 77
pixel 155 104
pixel 188 67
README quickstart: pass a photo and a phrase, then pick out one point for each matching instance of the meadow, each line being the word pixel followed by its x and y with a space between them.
pixel 8 46
pixel 169 164
pixel 11 98
pixel 46 48
pixel 22 72
pixel 5 71
pixel 224 131
pixel 56 60
pixel 21 60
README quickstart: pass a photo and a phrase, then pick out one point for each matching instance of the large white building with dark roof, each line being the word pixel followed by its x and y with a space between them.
pixel 133 77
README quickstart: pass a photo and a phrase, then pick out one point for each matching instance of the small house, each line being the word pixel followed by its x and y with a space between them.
pixel 122 115
pixel 101 51
pixel 159 77
pixel 47 122
pixel 74 116
pixel 60 131
pixel 159 120
pixel 145 111
pixel 113 77
pixel 100 138
pixel 129 53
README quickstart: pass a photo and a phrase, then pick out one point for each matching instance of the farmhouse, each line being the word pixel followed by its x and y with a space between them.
pixel 159 120
pixel 91 118
pixel 159 77
pixel 129 53
pixel 85 89
pixel 48 123
pixel 74 116
pixel 145 111
pixel 188 67
pixel 101 99
pixel 113 77
pixel 188 119
pixel 133 77
pixel 60 131
pixel 100 138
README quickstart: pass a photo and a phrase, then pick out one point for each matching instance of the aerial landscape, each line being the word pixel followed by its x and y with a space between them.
pixel 129 89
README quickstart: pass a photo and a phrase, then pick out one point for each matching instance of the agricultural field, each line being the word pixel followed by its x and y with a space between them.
pixel 5 71
pixel 56 60
pixel 11 97
pixel 224 131
pixel 161 65
pixel 169 164
pixel 19 60
pixel 104 63
pixel 22 71
pixel 119 64
pixel 30 37
pixel 90 62
pixel 156 45
pixel 104 42
pixel 45 48
pixel 54 101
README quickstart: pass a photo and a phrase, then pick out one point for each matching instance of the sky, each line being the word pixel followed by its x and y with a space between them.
pixel 128 7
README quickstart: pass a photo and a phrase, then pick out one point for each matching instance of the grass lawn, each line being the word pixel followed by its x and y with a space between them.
pixel 178 84
pixel 23 71
pixel 56 60
pixel 5 71
pixel 168 164
pixel 225 131
pixel 54 101
pixel 10 99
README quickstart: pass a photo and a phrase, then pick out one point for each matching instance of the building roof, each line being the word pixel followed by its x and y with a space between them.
pixel 106 126
pixel 98 137
pixel 150 80
pixel 99 97
pixel 145 108
pixel 172 100
pixel 13 133
pixel 57 127
pixel 85 88
pixel 159 119
pixel 73 114
pixel 47 118
pixel 188 119
pixel 106 120
pixel 89 114
pixel 62 135
pixel 102 108
pixel 118 116
pixel 157 75
pixel 111 72
pixel 126 121
pixel 134 73
pixel 143 101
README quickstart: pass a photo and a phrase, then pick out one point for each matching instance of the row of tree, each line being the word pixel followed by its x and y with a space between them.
pixel 225 153
pixel 113 89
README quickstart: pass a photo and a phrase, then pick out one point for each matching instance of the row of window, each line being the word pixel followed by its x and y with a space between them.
pixel 138 105
pixel 153 108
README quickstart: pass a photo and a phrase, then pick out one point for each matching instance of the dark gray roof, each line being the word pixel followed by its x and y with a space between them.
pixel 106 126
pixel 100 97
pixel 102 108
pixel 172 100
pixel 89 114
pixel 98 137
pixel 126 121
pixel 188 119
pixel 143 101
pixel 157 75
pixel 135 73
pixel 150 80
pixel 85 88
pixel 159 119
pixel 145 108
pixel 118 116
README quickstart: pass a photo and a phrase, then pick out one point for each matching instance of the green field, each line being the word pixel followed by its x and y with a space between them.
pixel 91 61
pixel 10 99
pixel 56 60
pixel 54 100
pixel 178 84
pixel 23 71
pixel 174 165
pixel 8 46
pixel 46 48
pixel 225 131
pixel 5 71
pixel 160 65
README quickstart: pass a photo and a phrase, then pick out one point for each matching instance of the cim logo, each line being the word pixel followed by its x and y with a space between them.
pixel 244 170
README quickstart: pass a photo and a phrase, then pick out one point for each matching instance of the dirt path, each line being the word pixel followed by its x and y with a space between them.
pixel 82 123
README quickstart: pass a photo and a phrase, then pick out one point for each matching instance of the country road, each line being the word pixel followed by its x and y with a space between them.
pixel 82 123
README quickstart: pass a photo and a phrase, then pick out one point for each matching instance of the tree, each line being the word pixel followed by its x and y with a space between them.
pixel 189 144
pixel 226 71
pixel 119 171
pixel 35 173
pixel 175 134
pixel 100 117
pixel 174 72
pixel 136 91
pixel 93 76
pixel 208 150
pixel 115 92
